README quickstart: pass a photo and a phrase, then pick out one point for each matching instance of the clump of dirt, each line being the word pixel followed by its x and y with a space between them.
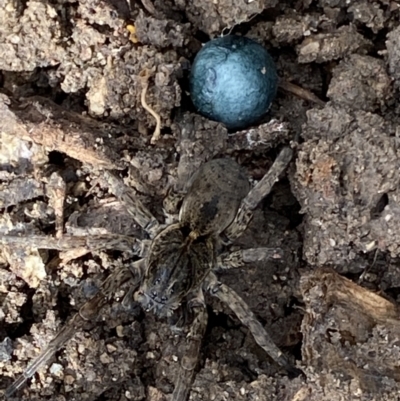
pixel 76 79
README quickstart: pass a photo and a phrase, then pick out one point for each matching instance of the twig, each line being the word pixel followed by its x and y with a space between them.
pixel 55 128
pixel 144 76
pixel 57 193
pixel 301 92
pixel 148 5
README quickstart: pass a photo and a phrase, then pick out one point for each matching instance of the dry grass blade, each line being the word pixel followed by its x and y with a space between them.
pixel 144 77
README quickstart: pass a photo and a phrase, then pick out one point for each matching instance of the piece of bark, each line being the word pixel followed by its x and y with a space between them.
pixel 350 332
pixel 44 122
pixel 19 190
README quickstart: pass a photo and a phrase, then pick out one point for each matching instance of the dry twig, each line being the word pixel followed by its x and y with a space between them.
pixel 144 76
pixel 301 92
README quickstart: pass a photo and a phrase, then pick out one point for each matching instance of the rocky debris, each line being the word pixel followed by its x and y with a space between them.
pixel 347 169
pixel 360 83
pixel 323 47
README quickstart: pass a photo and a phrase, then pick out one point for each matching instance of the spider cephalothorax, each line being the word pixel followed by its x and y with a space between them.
pixel 176 264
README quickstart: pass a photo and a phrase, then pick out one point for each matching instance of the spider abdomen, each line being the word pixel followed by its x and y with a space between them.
pixel 213 196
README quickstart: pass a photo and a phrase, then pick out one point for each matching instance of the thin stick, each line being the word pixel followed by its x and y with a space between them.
pixel 301 92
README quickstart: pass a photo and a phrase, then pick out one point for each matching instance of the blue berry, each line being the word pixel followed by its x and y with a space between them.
pixel 233 81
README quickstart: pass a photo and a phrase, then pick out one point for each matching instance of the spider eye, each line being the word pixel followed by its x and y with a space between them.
pixel 157 281
pixel 163 299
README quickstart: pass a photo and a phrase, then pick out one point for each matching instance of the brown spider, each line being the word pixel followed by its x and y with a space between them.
pixel 178 264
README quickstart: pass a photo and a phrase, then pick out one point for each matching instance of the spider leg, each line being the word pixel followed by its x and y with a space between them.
pixel 255 196
pixel 68 242
pixel 134 206
pixel 248 319
pixel 87 312
pixel 191 358
pixel 243 257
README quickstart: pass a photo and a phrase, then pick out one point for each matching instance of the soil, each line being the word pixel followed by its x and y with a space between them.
pixel 71 79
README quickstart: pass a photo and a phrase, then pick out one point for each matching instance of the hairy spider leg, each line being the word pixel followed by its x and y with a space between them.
pixel 87 312
pixel 244 257
pixel 190 358
pixel 68 242
pixel 256 195
pixel 134 206
pixel 228 296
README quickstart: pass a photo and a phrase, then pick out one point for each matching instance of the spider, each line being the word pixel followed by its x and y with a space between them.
pixel 177 266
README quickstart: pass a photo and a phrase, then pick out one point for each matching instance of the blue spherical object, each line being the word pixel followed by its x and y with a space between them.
pixel 233 81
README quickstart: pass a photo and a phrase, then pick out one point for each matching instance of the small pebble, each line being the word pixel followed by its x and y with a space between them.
pixel 5 349
pixel 56 369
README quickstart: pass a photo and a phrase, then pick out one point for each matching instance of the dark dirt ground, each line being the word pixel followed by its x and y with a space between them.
pixel 71 79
